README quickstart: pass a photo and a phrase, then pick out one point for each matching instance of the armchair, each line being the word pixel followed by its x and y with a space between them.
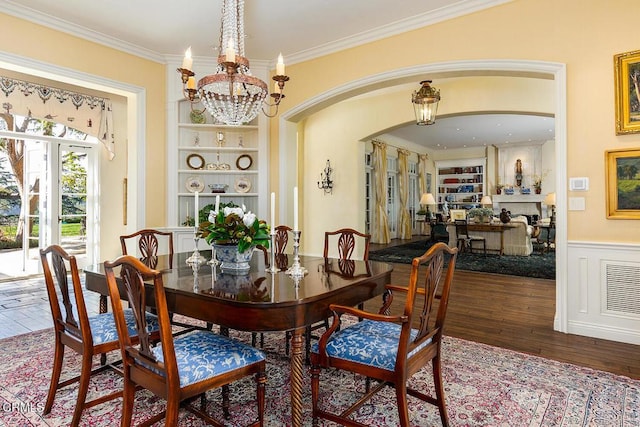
pixel 388 348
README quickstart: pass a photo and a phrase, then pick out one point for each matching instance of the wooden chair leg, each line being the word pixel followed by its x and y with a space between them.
pixel 439 388
pixel 128 396
pixel 55 376
pixel 83 387
pixel 171 417
pixel 315 391
pixel 261 382
pixel 401 398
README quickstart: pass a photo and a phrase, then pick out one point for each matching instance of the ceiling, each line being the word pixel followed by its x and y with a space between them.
pixel 298 29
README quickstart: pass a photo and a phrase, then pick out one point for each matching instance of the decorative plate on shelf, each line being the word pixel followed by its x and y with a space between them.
pixel 194 184
pixel 244 162
pixel 195 161
pixel 242 185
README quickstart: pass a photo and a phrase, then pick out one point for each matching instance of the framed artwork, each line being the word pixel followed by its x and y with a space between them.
pixel 627 86
pixel 623 183
pixel 428 183
pixel 457 214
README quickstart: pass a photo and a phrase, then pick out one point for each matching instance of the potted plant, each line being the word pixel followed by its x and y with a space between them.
pixel 480 214
pixel 499 188
pixel 234 233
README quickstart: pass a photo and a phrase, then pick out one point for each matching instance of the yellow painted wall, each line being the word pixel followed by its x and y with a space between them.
pixel 63 50
pixel 584 35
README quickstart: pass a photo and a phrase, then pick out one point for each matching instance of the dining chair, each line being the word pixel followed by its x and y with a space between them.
pixel 465 240
pixel 388 348
pixel 345 240
pixel 280 241
pixel 148 245
pixel 178 368
pixel 74 328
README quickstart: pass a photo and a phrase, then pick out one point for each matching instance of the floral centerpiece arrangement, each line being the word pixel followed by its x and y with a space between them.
pixel 232 225
pixel 481 213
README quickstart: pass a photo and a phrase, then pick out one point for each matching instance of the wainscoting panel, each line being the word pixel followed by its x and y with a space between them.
pixel 603 290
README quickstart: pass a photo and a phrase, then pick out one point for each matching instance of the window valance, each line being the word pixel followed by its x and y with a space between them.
pixel 89 114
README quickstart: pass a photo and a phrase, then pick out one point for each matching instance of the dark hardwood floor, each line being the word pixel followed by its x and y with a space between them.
pixel 517 313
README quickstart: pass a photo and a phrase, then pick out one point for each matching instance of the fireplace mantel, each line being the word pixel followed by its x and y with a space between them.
pixel 526 204
pixel 517 198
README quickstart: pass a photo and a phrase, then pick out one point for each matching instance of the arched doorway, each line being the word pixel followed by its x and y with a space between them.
pixel 291 153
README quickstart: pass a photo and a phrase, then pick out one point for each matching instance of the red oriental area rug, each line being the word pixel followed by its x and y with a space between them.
pixel 485 386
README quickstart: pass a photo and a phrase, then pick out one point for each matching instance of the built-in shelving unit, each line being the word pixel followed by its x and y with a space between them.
pixel 461 183
pixel 208 154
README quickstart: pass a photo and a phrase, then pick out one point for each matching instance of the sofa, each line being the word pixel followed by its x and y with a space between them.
pixel 517 237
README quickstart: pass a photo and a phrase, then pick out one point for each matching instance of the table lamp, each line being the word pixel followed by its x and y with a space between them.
pixel 550 200
pixel 486 202
pixel 426 200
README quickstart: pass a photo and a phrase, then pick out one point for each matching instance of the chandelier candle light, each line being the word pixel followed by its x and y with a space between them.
pixel 232 95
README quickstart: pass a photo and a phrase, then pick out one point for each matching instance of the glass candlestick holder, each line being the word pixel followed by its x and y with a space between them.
pixel 296 271
pixel 195 257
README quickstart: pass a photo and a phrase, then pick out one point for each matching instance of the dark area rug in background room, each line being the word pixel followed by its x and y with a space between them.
pixel 541 266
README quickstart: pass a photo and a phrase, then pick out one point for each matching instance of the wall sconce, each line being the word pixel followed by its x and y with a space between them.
pixel 326 183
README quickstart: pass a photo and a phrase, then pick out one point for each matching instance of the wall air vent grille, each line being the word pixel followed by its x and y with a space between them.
pixel 623 287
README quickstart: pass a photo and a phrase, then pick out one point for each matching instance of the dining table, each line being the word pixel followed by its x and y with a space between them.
pixel 258 300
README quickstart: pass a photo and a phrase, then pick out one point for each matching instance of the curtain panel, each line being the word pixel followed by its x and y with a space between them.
pixel 405 219
pixel 380 221
pixel 89 114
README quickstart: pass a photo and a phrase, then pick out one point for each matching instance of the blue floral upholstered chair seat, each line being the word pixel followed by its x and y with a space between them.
pixel 203 354
pixel 103 326
pixel 369 342
pixel 387 347
pixel 181 367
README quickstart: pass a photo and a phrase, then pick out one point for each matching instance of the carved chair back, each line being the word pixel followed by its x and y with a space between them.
pixel 134 273
pixel 346 241
pixel 149 246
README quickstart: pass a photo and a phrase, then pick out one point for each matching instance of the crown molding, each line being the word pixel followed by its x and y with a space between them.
pixel 463 7
pixel 22 12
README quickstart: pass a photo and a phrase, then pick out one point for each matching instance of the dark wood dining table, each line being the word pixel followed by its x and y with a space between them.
pixel 259 301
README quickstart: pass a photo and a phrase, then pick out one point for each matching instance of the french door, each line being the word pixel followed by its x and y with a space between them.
pixel 59 207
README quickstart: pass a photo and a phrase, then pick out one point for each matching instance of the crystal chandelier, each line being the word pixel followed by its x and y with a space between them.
pixel 232 95
pixel 425 103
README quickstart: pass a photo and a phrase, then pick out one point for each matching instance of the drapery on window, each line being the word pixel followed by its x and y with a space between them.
pixel 89 114
pixel 380 222
pixel 403 172
pixel 422 173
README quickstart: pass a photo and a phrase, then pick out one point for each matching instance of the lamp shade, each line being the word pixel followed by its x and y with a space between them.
pixel 486 200
pixel 427 199
pixel 550 199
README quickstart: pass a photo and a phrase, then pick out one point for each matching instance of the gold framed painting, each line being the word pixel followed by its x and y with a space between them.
pixel 457 214
pixel 623 183
pixel 627 85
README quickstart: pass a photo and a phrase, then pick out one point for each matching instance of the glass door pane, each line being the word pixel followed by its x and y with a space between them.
pixel 72 201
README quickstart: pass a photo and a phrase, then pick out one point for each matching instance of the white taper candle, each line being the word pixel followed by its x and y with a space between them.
pixel 273 213
pixel 295 209
pixel 196 215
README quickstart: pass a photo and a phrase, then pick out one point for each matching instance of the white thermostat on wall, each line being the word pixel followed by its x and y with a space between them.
pixel 579 184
